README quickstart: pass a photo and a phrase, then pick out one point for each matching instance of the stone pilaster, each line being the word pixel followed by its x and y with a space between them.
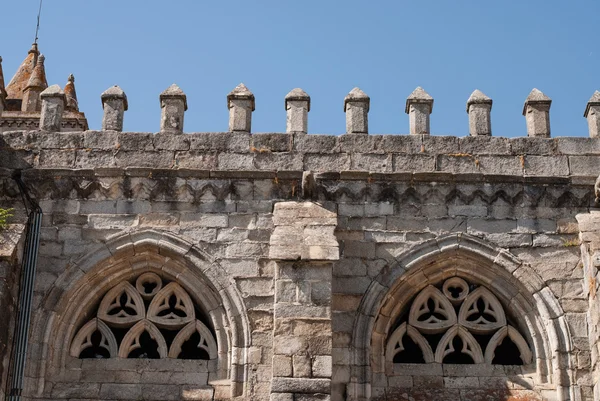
pixel 297 105
pixel 53 105
pixel 114 103
pixel 537 114
pixel 419 105
pixel 479 108
pixel 592 113
pixel 589 235
pixel 304 246
pixel 356 107
pixel 241 104
pixel 173 104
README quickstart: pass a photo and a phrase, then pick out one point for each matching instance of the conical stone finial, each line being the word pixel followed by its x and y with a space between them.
pixel 173 104
pixel 297 105
pixel 356 106
pixel 2 89
pixel 53 105
pixel 71 94
pixel 16 86
pixel 241 104
pixel 592 113
pixel 537 114
pixel 479 108
pixel 36 84
pixel 419 106
pixel 114 103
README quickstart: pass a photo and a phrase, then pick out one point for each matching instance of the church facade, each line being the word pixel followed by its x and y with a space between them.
pixel 292 266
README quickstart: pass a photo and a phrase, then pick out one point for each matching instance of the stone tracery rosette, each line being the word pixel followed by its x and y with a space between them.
pixel 456 323
pixel 148 320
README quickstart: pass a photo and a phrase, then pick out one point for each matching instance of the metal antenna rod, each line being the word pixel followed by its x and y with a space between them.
pixel 37 28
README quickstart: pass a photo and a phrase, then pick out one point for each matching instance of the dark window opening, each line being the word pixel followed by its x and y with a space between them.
pixel 95 351
pixel 412 352
pixel 457 356
pixel 172 308
pixel 480 304
pixel 122 307
pixel 507 353
pixel 431 307
pixel 190 349
pixel 148 348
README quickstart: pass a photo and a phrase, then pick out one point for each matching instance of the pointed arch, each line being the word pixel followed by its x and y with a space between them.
pixel 130 254
pixel 516 285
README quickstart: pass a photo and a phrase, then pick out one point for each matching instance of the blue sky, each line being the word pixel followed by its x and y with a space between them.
pixel 387 48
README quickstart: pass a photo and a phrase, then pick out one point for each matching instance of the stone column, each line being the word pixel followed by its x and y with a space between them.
pixel 297 105
pixel 304 245
pixel 479 107
pixel 592 113
pixel 173 104
pixel 537 114
pixel 419 105
pixel 2 89
pixel 114 103
pixel 53 105
pixel 589 235
pixel 241 104
pixel 356 107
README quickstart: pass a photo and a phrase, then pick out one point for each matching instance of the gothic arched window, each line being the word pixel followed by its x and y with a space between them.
pixel 147 317
pixel 459 323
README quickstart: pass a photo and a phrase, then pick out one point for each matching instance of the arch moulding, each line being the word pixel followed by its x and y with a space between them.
pixel 515 283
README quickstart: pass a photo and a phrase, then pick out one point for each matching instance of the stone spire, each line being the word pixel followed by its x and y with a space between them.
pixel 297 104
pixel 356 107
pixel 71 95
pixel 173 104
pixel 19 81
pixel 537 114
pixel 2 89
pixel 592 113
pixel 479 107
pixel 36 85
pixel 419 106
pixel 114 103
pixel 241 104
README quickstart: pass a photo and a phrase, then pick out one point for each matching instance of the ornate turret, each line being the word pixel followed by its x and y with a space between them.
pixel 22 104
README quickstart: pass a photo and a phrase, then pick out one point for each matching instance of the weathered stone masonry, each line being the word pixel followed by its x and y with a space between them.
pixel 304 262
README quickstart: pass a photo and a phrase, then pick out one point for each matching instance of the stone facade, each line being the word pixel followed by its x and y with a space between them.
pixel 292 266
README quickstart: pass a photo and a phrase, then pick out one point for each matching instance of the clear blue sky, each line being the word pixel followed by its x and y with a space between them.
pixel 387 48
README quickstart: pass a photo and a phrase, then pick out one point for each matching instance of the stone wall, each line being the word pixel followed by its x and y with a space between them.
pixel 302 305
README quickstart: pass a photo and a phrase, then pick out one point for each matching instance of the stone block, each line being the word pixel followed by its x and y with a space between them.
pixel 300 385
pixel 322 366
pixel 326 163
pixel 114 391
pixel 301 365
pixel 546 166
pixel 282 366
pixel 584 165
pixel 282 397
pixel 413 163
pixel 238 142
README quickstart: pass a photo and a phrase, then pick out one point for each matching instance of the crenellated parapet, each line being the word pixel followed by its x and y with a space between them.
pixel 419 106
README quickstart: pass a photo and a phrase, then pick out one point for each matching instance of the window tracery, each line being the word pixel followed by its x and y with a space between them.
pixel 459 323
pixel 145 318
